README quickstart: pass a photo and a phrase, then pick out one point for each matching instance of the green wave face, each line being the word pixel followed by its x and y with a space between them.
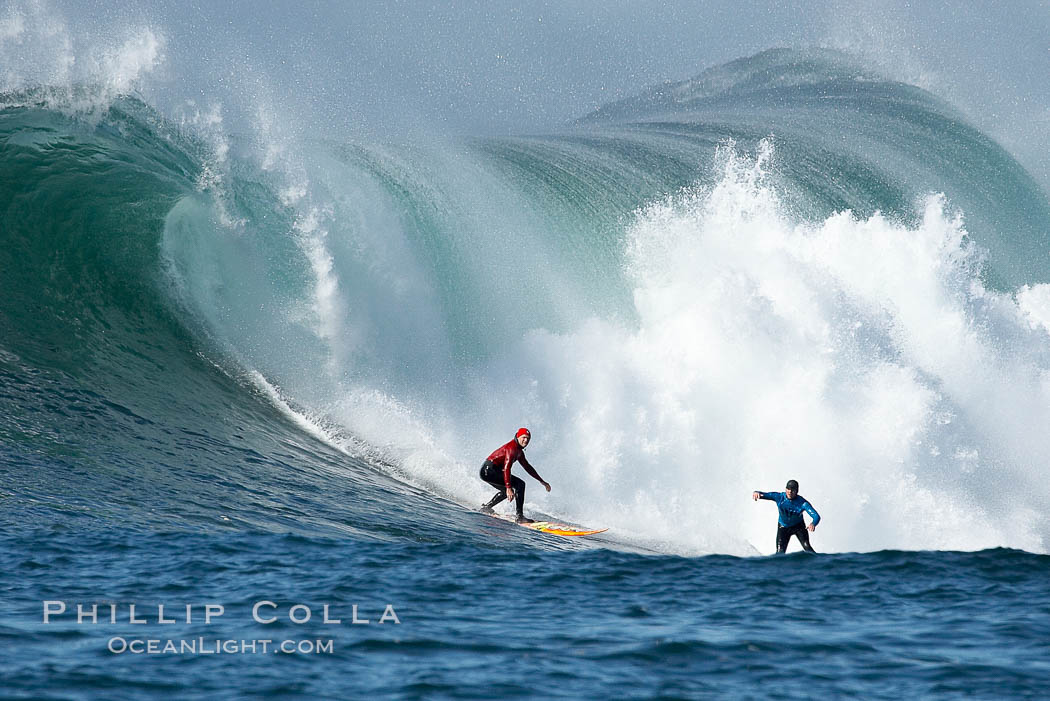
pixel 83 205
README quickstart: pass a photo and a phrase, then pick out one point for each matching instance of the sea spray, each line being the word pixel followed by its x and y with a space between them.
pixel 863 357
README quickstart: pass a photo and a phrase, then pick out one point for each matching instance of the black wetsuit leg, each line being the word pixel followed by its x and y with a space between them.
pixel 489 473
pixel 494 476
pixel 519 494
pixel 803 538
pixel 784 536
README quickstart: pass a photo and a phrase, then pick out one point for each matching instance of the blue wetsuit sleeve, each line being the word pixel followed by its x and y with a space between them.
pixel 767 495
pixel 812 513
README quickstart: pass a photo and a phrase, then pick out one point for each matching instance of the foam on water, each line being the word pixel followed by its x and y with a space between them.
pixel 864 358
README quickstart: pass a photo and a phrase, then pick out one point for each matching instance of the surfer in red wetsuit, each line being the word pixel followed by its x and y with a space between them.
pixel 496 471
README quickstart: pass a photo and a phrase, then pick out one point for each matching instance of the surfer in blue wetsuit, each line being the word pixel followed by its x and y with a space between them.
pixel 791 523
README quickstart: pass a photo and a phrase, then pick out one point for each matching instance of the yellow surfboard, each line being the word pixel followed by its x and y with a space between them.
pixel 554 528
pixel 562 528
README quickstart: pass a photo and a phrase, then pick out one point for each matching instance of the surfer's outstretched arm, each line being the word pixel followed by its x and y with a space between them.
pixel 532 471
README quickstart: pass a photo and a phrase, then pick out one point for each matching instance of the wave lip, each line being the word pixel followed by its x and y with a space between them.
pixel 774 76
pixel 851 138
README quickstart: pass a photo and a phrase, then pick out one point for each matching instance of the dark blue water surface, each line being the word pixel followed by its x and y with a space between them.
pixel 489 621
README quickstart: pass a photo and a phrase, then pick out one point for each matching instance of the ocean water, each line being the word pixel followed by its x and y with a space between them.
pixel 497 617
pixel 250 378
